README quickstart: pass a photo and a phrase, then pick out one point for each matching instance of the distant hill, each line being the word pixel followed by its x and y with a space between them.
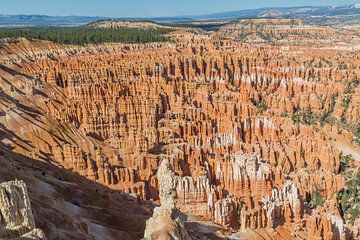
pixel 275 30
pixel 43 20
pixel 320 15
pixel 293 12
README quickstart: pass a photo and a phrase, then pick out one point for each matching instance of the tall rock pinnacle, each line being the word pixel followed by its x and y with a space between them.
pixel 166 222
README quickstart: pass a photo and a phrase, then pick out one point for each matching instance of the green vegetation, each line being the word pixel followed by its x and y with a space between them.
pixel 304 117
pixel 349 199
pixel 310 118
pixel 326 116
pixel 347 166
pixel 357 134
pixel 350 86
pixel 317 199
pixel 353 128
pixel 86 35
pixel 346 102
pixel 345 162
pixel 239 207
pixel 342 66
pixel 284 114
pixel 261 106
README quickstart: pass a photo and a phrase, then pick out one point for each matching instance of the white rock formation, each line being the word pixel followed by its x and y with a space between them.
pixel 225 212
pixel 166 222
pixel 16 218
pixel 285 198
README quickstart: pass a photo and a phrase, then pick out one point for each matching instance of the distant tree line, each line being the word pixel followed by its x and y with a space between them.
pixel 85 35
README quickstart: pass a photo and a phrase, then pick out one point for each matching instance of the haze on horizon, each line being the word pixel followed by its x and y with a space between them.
pixel 148 8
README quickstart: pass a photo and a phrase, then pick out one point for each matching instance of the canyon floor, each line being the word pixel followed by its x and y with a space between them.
pixel 248 132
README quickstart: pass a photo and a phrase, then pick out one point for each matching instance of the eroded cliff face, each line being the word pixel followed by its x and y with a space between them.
pixel 249 130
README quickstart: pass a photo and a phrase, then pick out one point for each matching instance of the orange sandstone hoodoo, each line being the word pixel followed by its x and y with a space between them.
pixel 244 127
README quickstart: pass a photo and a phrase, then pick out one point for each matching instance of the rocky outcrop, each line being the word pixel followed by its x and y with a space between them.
pixel 225 213
pixel 326 223
pixel 166 222
pixel 16 218
pixel 284 206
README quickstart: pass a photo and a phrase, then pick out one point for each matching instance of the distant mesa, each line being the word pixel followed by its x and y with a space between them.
pixel 118 24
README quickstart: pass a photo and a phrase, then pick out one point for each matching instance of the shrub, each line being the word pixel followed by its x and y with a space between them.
pixel 261 107
pixel 317 199
pixel 342 66
pixel 305 117
pixel 346 101
pixel 350 86
pixel 349 199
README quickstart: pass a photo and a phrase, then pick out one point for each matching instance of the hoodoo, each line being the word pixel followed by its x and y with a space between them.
pixel 221 129
pixel 166 222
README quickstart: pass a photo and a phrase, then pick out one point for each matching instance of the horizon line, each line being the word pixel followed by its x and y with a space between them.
pixel 174 16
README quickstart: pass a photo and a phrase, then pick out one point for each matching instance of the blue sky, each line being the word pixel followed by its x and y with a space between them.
pixel 146 8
